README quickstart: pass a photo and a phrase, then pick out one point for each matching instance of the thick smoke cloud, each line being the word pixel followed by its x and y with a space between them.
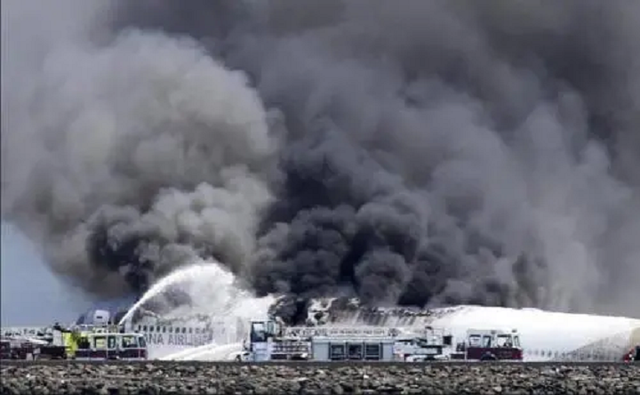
pixel 431 152
pixel 132 156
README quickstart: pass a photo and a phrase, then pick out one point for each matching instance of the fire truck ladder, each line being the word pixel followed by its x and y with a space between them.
pixel 333 331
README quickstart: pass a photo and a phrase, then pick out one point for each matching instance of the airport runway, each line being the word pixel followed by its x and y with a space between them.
pixel 165 377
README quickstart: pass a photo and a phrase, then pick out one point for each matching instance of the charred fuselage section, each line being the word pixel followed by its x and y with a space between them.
pixel 343 310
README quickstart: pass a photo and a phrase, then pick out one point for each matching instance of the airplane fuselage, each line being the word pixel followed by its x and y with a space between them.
pixel 165 338
pixel 544 335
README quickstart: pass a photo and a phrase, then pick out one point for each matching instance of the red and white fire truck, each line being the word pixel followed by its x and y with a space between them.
pixel 489 345
pixel 633 355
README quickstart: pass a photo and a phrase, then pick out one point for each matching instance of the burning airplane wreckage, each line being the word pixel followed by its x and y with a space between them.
pixel 338 329
pixel 427 153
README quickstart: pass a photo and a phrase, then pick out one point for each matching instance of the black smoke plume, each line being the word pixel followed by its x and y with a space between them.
pixel 408 152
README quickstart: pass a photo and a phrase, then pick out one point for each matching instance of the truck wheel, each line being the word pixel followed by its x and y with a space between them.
pixel 238 358
pixel 488 357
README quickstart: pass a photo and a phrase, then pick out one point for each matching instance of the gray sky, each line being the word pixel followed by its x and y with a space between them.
pixel 30 293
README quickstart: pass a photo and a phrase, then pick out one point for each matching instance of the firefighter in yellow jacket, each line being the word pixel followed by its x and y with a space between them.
pixel 70 339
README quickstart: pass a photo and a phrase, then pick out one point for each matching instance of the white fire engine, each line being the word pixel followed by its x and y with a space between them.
pixel 269 341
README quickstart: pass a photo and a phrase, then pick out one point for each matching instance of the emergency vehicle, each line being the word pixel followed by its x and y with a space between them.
pixel 633 355
pixel 431 345
pixel 80 343
pixel 489 345
pixel 106 345
pixel 270 340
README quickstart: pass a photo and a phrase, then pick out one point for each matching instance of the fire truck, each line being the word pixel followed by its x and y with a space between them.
pixel 269 341
pixel 79 343
pixel 107 345
pixel 431 344
pixel 489 345
pixel 633 355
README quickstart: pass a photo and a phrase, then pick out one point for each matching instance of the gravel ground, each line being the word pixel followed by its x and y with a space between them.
pixel 189 378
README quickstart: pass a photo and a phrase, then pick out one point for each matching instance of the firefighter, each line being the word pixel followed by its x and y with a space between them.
pixel 69 344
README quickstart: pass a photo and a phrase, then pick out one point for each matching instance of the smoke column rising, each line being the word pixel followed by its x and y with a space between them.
pixel 427 152
pixel 130 157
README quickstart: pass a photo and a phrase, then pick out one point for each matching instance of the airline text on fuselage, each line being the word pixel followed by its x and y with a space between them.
pixel 178 339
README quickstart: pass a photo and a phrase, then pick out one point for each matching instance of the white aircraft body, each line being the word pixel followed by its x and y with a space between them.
pixel 164 336
pixel 551 336
pixel 28 334
pixel 544 335
pixel 171 336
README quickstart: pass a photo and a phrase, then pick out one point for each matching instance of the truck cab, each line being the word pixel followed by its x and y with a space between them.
pixel 107 345
pixel 489 345
pixel 633 355
pixel 268 343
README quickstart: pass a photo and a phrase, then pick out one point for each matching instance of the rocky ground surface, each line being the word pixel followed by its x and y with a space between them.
pixel 189 378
